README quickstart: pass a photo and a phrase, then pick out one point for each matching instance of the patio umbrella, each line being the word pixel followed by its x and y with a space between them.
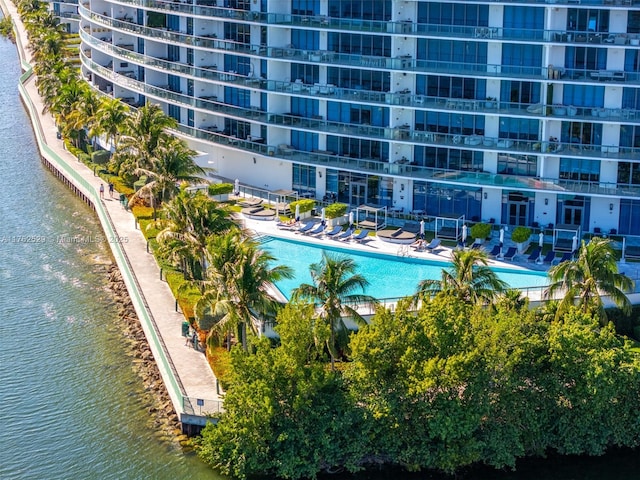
pixel 502 236
pixel 540 244
pixel 237 187
pixel 351 218
pixel 574 243
pixel 422 229
pixel 322 216
pixel 297 214
pixel 464 233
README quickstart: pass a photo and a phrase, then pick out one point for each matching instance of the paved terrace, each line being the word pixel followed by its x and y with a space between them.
pixel 442 254
pixel 186 374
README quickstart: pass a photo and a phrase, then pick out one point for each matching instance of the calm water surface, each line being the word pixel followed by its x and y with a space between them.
pixel 70 402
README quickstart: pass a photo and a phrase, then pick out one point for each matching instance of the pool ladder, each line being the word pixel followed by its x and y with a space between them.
pixel 259 237
pixel 403 251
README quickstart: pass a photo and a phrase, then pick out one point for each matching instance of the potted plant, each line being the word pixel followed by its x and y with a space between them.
pixel 335 214
pixel 521 237
pixel 480 231
pixel 490 102
pixel 220 191
pixel 305 206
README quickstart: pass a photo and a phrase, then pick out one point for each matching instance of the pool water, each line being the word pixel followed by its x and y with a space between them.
pixel 389 276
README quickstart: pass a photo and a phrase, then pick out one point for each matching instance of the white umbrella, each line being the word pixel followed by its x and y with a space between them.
pixel 350 218
pixel 322 216
pixel 464 233
pixel 421 228
pixel 541 239
pixel 502 235
pixel 297 214
pixel 237 187
pixel 574 243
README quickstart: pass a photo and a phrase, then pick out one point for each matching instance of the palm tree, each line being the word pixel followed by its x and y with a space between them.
pixel 109 120
pixel 170 164
pixel 189 221
pixel 142 133
pixel 238 287
pixel 583 281
pixel 334 287
pixel 469 279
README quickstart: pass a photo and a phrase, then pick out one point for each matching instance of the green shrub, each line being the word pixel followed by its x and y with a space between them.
pixel 220 188
pixel 306 205
pixel 521 234
pixel 335 210
pixel 140 183
pixel 101 157
pixel 480 230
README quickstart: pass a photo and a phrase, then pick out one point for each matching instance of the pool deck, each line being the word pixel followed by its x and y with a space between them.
pixel 442 254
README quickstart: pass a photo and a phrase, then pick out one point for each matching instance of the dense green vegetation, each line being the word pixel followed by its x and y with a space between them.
pixel 462 373
pixel 443 387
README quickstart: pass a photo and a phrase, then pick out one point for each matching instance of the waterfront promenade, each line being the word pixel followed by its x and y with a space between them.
pixel 185 371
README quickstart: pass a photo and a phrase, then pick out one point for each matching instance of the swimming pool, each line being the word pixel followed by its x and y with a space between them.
pixel 389 276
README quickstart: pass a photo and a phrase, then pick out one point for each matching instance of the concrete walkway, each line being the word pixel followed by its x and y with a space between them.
pixel 195 380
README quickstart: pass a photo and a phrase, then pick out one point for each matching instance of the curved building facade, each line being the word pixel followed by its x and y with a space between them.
pixel 524 112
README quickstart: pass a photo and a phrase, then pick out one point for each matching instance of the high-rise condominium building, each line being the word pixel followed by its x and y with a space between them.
pixel 524 112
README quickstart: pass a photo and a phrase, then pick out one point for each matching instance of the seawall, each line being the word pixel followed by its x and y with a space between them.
pixel 185 373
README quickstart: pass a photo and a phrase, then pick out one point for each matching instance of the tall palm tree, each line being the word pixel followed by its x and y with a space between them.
pixel 110 120
pixel 188 222
pixel 170 164
pixel 583 281
pixel 334 289
pixel 239 283
pixel 143 131
pixel 469 278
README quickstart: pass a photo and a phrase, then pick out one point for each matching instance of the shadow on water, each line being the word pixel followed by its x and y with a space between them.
pixel 618 464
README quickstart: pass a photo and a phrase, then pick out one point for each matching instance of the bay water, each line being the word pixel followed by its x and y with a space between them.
pixel 71 404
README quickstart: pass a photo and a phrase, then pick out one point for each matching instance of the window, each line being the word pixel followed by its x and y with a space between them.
pixel 513 91
pixel 628 173
pixel 451 87
pixel 513 164
pixel 581 133
pixel 359 44
pixel 304 178
pixel 580 169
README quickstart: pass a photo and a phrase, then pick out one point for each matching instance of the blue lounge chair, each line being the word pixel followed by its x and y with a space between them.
pixel 433 244
pixel 549 257
pixel 316 231
pixel 306 227
pixel 495 251
pixel 566 256
pixel 345 235
pixel 511 252
pixel 361 236
pixel 533 256
pixel 334 231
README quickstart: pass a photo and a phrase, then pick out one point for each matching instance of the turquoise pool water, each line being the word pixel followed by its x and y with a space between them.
pixel 389 276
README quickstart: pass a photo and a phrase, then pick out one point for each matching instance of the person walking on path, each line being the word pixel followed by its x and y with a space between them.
pixel 102 190
pixel 110 189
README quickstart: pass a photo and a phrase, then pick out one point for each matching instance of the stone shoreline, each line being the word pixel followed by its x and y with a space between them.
pixel 157 402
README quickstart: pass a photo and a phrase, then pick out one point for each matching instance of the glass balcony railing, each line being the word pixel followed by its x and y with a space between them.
pixel 402 133
pixel 403 63
pixel 401 168
pixel 200 9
